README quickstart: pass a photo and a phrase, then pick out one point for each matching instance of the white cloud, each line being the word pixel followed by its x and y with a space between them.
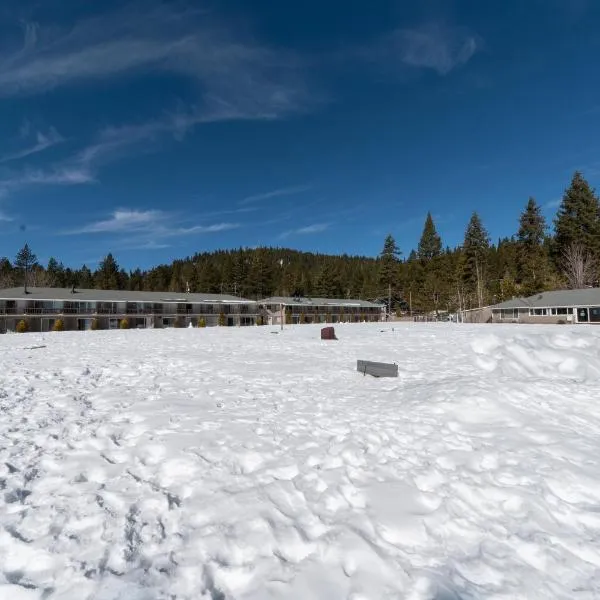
pixel 308 230
pixel 217 227
pixel 148 226
pixel 4 217
pixel 43 141
pixel 124 220
pixel 431 46
pixel 67 175
pixel 552 203
pixel 289 191
pixel 236 77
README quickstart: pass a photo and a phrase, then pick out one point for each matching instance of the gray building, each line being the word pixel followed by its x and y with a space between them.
pixel 80 309
pixel 561 306
pixel 320 310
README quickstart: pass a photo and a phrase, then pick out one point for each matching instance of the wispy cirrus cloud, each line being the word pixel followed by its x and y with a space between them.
pixel 61 175
pixel 436 46
pixel 232 77
pixel 552 204
pixel 308 230
pixel 235 76
pixel 278 193
pixel 42 142
pixel 147 228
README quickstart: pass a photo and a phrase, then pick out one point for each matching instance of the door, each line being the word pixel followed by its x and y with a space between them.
pixel 582 315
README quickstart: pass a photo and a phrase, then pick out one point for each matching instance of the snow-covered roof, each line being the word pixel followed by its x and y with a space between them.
pixel 86 295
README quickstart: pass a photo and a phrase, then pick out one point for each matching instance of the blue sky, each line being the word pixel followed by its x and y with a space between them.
pixel 158 129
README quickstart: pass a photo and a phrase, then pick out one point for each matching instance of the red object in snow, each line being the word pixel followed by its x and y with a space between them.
pixel 328 333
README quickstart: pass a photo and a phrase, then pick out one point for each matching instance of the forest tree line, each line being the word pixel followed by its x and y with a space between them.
pixel 430 278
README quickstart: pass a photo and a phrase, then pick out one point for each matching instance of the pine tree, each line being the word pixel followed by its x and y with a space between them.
pixel 24 262
pixel 85 279
pixel 107 275
pixel 7 278
pixel 578 219
pixel 389 261
pixel 56 273
pixel 531 255
pixel 327 283
pixel 260 277
pixel 430 244
pixel 475 249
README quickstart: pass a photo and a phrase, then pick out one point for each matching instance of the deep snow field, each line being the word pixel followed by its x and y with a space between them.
pixel 238 463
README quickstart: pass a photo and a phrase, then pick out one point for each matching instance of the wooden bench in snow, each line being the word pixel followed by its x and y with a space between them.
pixel 377 369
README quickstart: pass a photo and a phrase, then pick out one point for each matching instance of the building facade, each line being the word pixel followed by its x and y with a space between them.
pixel 41 308
pixel 561 306
pixel 293 310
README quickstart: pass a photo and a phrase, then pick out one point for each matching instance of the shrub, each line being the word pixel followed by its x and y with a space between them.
pixel 222 320
pixel 123 324
pixel 22 326
pixel 179 323
pixel 59 325
pixel 288 317
pixel 561 322
pixel 302 318
pixel 202 322
pixel 95 325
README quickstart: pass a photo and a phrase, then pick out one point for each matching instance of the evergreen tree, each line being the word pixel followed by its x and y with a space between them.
pixel 430 244
pixel 389 263
pixel 209 280
pixel 475 249
pixel 25 261
pixel 327 283
pixel 7 278
pixel 531 257
pixel 260 277
pixel 578 219
pixel 56 273
pixel 136 281
pixel 85 278
pixel 107 276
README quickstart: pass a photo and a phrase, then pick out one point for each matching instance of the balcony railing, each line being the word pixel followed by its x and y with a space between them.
pixel 102 311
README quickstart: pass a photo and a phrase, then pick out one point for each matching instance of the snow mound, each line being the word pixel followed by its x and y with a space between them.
pixel 233 464
pixel 541 356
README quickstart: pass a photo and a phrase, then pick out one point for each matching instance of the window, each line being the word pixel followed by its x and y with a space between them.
pixel 538 312
pixel 561 311
pixel 509 313
pixel 595 314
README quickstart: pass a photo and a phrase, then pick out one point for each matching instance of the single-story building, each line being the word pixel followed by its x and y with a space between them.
pixel 560 306
pixel 320 310
pixel 81 309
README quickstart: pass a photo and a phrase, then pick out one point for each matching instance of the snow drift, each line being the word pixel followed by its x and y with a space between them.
pixel 239 464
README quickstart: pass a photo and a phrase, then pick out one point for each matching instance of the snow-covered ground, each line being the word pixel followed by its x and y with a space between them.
pixel 249 464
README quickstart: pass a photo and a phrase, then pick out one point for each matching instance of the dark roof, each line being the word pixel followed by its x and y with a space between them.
pixel 557 298
pixel 513 303
pixel 66 294
pixel 301 301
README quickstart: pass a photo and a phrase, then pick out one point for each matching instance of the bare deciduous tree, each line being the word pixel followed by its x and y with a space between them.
pixel 578 266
